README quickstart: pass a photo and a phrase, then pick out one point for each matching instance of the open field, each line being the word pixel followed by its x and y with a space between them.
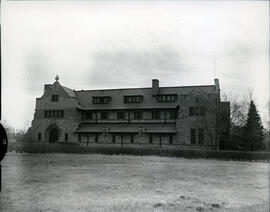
pixel 72 182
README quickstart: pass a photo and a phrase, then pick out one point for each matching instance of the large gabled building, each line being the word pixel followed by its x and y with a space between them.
pixel 187 116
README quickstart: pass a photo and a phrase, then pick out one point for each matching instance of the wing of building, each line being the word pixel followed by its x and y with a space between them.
pixel 187 116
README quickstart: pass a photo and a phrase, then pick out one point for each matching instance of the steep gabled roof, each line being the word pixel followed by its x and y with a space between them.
pixel 69 91
pixel 148 101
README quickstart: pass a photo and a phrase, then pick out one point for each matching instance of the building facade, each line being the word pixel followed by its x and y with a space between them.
pixel 184 116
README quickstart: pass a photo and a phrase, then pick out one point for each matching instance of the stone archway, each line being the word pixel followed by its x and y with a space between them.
pixel 52 134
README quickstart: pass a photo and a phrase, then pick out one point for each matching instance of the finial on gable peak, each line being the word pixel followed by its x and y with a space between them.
pixel 56 78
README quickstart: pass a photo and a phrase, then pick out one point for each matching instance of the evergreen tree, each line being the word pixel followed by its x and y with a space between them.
pixel 253 130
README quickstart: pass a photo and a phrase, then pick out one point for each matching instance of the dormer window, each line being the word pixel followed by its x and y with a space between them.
pixel 55 98
pixel 133 99
pixel 101 99
pixel 167 98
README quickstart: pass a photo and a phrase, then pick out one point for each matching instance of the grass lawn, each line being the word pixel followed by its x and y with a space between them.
pixel 71 182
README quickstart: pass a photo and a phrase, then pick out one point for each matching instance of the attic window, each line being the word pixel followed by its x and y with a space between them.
pixel 167 98
pixel 55 98
pixel 133 99
pixel 101 99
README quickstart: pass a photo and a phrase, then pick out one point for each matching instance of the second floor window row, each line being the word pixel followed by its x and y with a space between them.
pixel 54 113
pixel 197 111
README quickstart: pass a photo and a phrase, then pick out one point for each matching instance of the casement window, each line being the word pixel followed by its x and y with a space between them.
pixel 66 137
pixel 191 111
pixel 196 111
pixel 87 115
pixel 104 115
pixel 54 114
pixel 193 136
pixel 39 137
pixel 167 98
pixel 96 138
pixel 173 114
pixel 138 115
pixel 101 99
pixel 133 99
pixel 170 139
pixel 150 138
pixel 55 98
pixel 155 114
pixel 121 115
pixel 201 136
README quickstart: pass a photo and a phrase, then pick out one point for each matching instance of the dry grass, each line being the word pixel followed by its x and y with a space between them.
pixel 70 182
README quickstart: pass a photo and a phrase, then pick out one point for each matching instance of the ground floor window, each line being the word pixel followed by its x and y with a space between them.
pixel 39 137
pixel 113 138
pixel 150 138
pixel 132 138
pixel 66 137
pixel 193 136
pixel 170 139
pixel 96 137
pixel 201 136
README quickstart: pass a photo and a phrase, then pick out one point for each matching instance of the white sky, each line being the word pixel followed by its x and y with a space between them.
pixel 115 44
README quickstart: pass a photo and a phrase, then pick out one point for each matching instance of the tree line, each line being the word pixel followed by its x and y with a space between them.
pixel 246 129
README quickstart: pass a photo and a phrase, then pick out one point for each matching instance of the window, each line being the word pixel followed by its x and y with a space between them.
pixel 104 115
pixel 138 115
pixel 55 98
pixel 62 113
pixel 39 137
pixel 133 99
pixel 113 138
pixel 121 115
pixel 197 111
pixel 197 99
pixel 101 99
pixel 202 111
pixel 155 114
pixel 132 138
pixel 58 113
pixel 173 114
pixel 96 138
pixel 66 137
pixel 88 115
pixel 193 136
pixel 167 98
pixel 191 111
pixel 201 136
pixel 54 113
pixel 150 138
pixel 170 139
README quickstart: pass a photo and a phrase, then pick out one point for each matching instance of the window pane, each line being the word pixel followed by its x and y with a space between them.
pixel 193 136
pixel 201 136
pixel 197 111
pixel 191 111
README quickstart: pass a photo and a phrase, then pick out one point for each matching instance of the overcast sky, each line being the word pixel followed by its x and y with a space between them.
pixel 117 44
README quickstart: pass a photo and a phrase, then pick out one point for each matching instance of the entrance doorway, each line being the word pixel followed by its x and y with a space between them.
pixel 53 136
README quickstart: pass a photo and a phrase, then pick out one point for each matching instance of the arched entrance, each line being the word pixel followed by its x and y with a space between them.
pixel 53 136
pixel 52 133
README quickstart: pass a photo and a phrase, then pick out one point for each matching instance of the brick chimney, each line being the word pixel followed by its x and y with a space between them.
pixel 155 87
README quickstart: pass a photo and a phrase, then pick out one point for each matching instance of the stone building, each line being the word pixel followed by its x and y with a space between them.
pixel 186 116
